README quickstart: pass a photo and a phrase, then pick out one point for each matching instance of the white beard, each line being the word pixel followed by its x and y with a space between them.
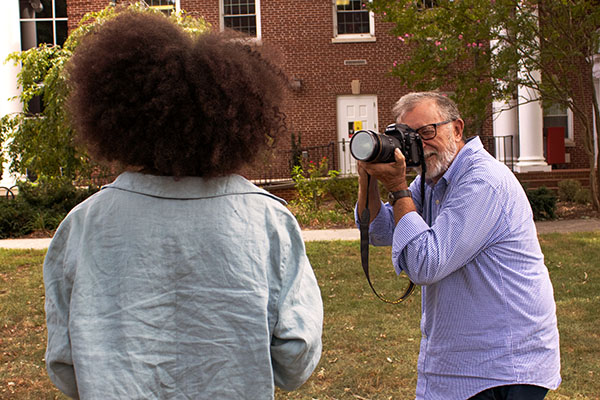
pixel 438 166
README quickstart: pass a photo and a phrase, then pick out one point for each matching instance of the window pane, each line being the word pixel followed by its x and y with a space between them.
pixel 353 22
pixel 44 32
pixel 60 8
pixel 28 35
pixel 245 24
pixel 61 32
pixel 25 10
pixel 47 11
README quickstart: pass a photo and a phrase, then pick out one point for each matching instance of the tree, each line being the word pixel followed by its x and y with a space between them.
pixel 42 143
pixel 483 50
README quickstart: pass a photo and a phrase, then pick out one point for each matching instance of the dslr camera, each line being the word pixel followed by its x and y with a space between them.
pixel 370 146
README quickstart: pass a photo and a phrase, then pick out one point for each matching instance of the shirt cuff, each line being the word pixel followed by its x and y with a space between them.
pixel 409 227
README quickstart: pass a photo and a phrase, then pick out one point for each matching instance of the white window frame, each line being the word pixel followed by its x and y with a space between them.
pixel 352 37
pixel 258 18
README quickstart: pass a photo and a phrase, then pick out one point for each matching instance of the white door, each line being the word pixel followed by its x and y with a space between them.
pixel 353 113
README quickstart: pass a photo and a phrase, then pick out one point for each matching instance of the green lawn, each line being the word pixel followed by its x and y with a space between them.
pixel 370 348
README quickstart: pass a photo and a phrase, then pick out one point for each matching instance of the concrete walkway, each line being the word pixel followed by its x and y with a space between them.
pixel 560 226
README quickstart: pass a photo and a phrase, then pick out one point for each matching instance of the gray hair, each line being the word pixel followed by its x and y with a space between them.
pixel 408 102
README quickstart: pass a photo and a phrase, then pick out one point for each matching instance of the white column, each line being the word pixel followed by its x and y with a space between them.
pixel 531 122
pixel 506 127
pixel 505 117
pixel 531 134
pixel 11 42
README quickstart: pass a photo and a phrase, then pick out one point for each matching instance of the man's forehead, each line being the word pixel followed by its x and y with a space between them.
pixel 424 108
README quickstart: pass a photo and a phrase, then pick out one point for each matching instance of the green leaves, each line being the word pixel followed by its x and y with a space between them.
pixel 43 142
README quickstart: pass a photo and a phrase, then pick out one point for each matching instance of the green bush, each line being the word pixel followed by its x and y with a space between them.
pixel 14 218
pixel 344 191
pixel 583 196
pixel 39 206
pixel 543 203
pixel 567 189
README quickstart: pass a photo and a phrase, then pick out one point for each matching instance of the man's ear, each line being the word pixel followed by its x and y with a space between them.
pixel 459 126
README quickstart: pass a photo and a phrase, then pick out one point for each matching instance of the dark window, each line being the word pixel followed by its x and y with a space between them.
pixel 240 15
pixel 428 3
pixel 352 17
pixel 43 21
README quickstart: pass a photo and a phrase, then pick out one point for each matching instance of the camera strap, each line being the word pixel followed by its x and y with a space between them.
pixel 364 252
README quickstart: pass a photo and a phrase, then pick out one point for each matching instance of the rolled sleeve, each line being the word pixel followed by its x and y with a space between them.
pixel 409 227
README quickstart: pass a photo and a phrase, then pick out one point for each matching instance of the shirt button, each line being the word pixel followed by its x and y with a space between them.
pixel 437 202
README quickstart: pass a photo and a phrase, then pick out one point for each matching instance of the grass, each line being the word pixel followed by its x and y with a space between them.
pixel 370 348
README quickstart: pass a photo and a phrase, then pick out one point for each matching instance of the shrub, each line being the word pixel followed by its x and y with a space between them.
pixel 344 191
pixel 39 206
pixel 543 203
pixel 583 196
pixel 567 189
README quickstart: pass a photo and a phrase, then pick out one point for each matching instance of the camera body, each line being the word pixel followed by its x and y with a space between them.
pixel 370 146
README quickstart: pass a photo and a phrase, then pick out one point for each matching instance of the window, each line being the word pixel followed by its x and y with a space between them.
pixel 43 21
pixel 427 3
pixel 166 6
pixel 242 16
pixel 559 116
pixel 353 21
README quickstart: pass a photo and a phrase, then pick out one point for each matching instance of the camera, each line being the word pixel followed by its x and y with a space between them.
pixel 370 146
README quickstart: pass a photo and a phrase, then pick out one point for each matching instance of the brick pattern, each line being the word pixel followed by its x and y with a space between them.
pixel 302 31
pixel 550 180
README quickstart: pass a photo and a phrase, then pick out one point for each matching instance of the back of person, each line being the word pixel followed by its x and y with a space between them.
pixel 181 279
pixel 181 289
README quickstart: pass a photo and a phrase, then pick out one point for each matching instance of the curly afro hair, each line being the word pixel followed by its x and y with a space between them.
pixel 148 95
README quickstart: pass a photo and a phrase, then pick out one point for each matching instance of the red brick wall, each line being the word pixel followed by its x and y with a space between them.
pixel 302 31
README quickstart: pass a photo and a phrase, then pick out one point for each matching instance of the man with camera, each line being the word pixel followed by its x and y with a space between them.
pixel 488 321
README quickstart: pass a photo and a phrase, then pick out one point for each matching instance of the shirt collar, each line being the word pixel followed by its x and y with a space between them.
pixel 185 188
pixel 472 145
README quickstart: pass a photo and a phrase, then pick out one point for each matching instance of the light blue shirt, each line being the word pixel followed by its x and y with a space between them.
pixel 488 310
pixel 195 288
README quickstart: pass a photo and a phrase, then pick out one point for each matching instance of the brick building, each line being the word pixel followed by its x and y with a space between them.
pixel 338 56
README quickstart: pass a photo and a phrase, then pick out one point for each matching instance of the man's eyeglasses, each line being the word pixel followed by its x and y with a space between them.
pixel 428 132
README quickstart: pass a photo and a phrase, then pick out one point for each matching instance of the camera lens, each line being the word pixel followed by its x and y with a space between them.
pixel 364 145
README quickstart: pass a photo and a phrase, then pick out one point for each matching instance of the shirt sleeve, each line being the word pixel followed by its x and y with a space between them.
pixel 59 362
pixel 381 229
pixel 296 344
pixel 471 218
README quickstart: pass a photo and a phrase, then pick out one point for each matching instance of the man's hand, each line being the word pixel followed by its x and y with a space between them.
pixel 392 175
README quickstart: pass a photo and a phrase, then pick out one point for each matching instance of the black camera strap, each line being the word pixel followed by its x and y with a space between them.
pixel 364 251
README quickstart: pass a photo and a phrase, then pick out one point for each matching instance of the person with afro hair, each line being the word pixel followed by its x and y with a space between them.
pixel 181 279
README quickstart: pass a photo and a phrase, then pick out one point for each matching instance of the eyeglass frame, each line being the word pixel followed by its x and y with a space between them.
pixel 435 126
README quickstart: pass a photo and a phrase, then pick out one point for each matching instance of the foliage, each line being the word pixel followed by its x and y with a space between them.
pixel 311 184
pixel 567 189
pixel 583 196
pixel 344 191
pixel 369 348
pixel 486 50
pixel 43 142
pixel 39 206
pixel 571 190
pixel 543 203
pixel 296 152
